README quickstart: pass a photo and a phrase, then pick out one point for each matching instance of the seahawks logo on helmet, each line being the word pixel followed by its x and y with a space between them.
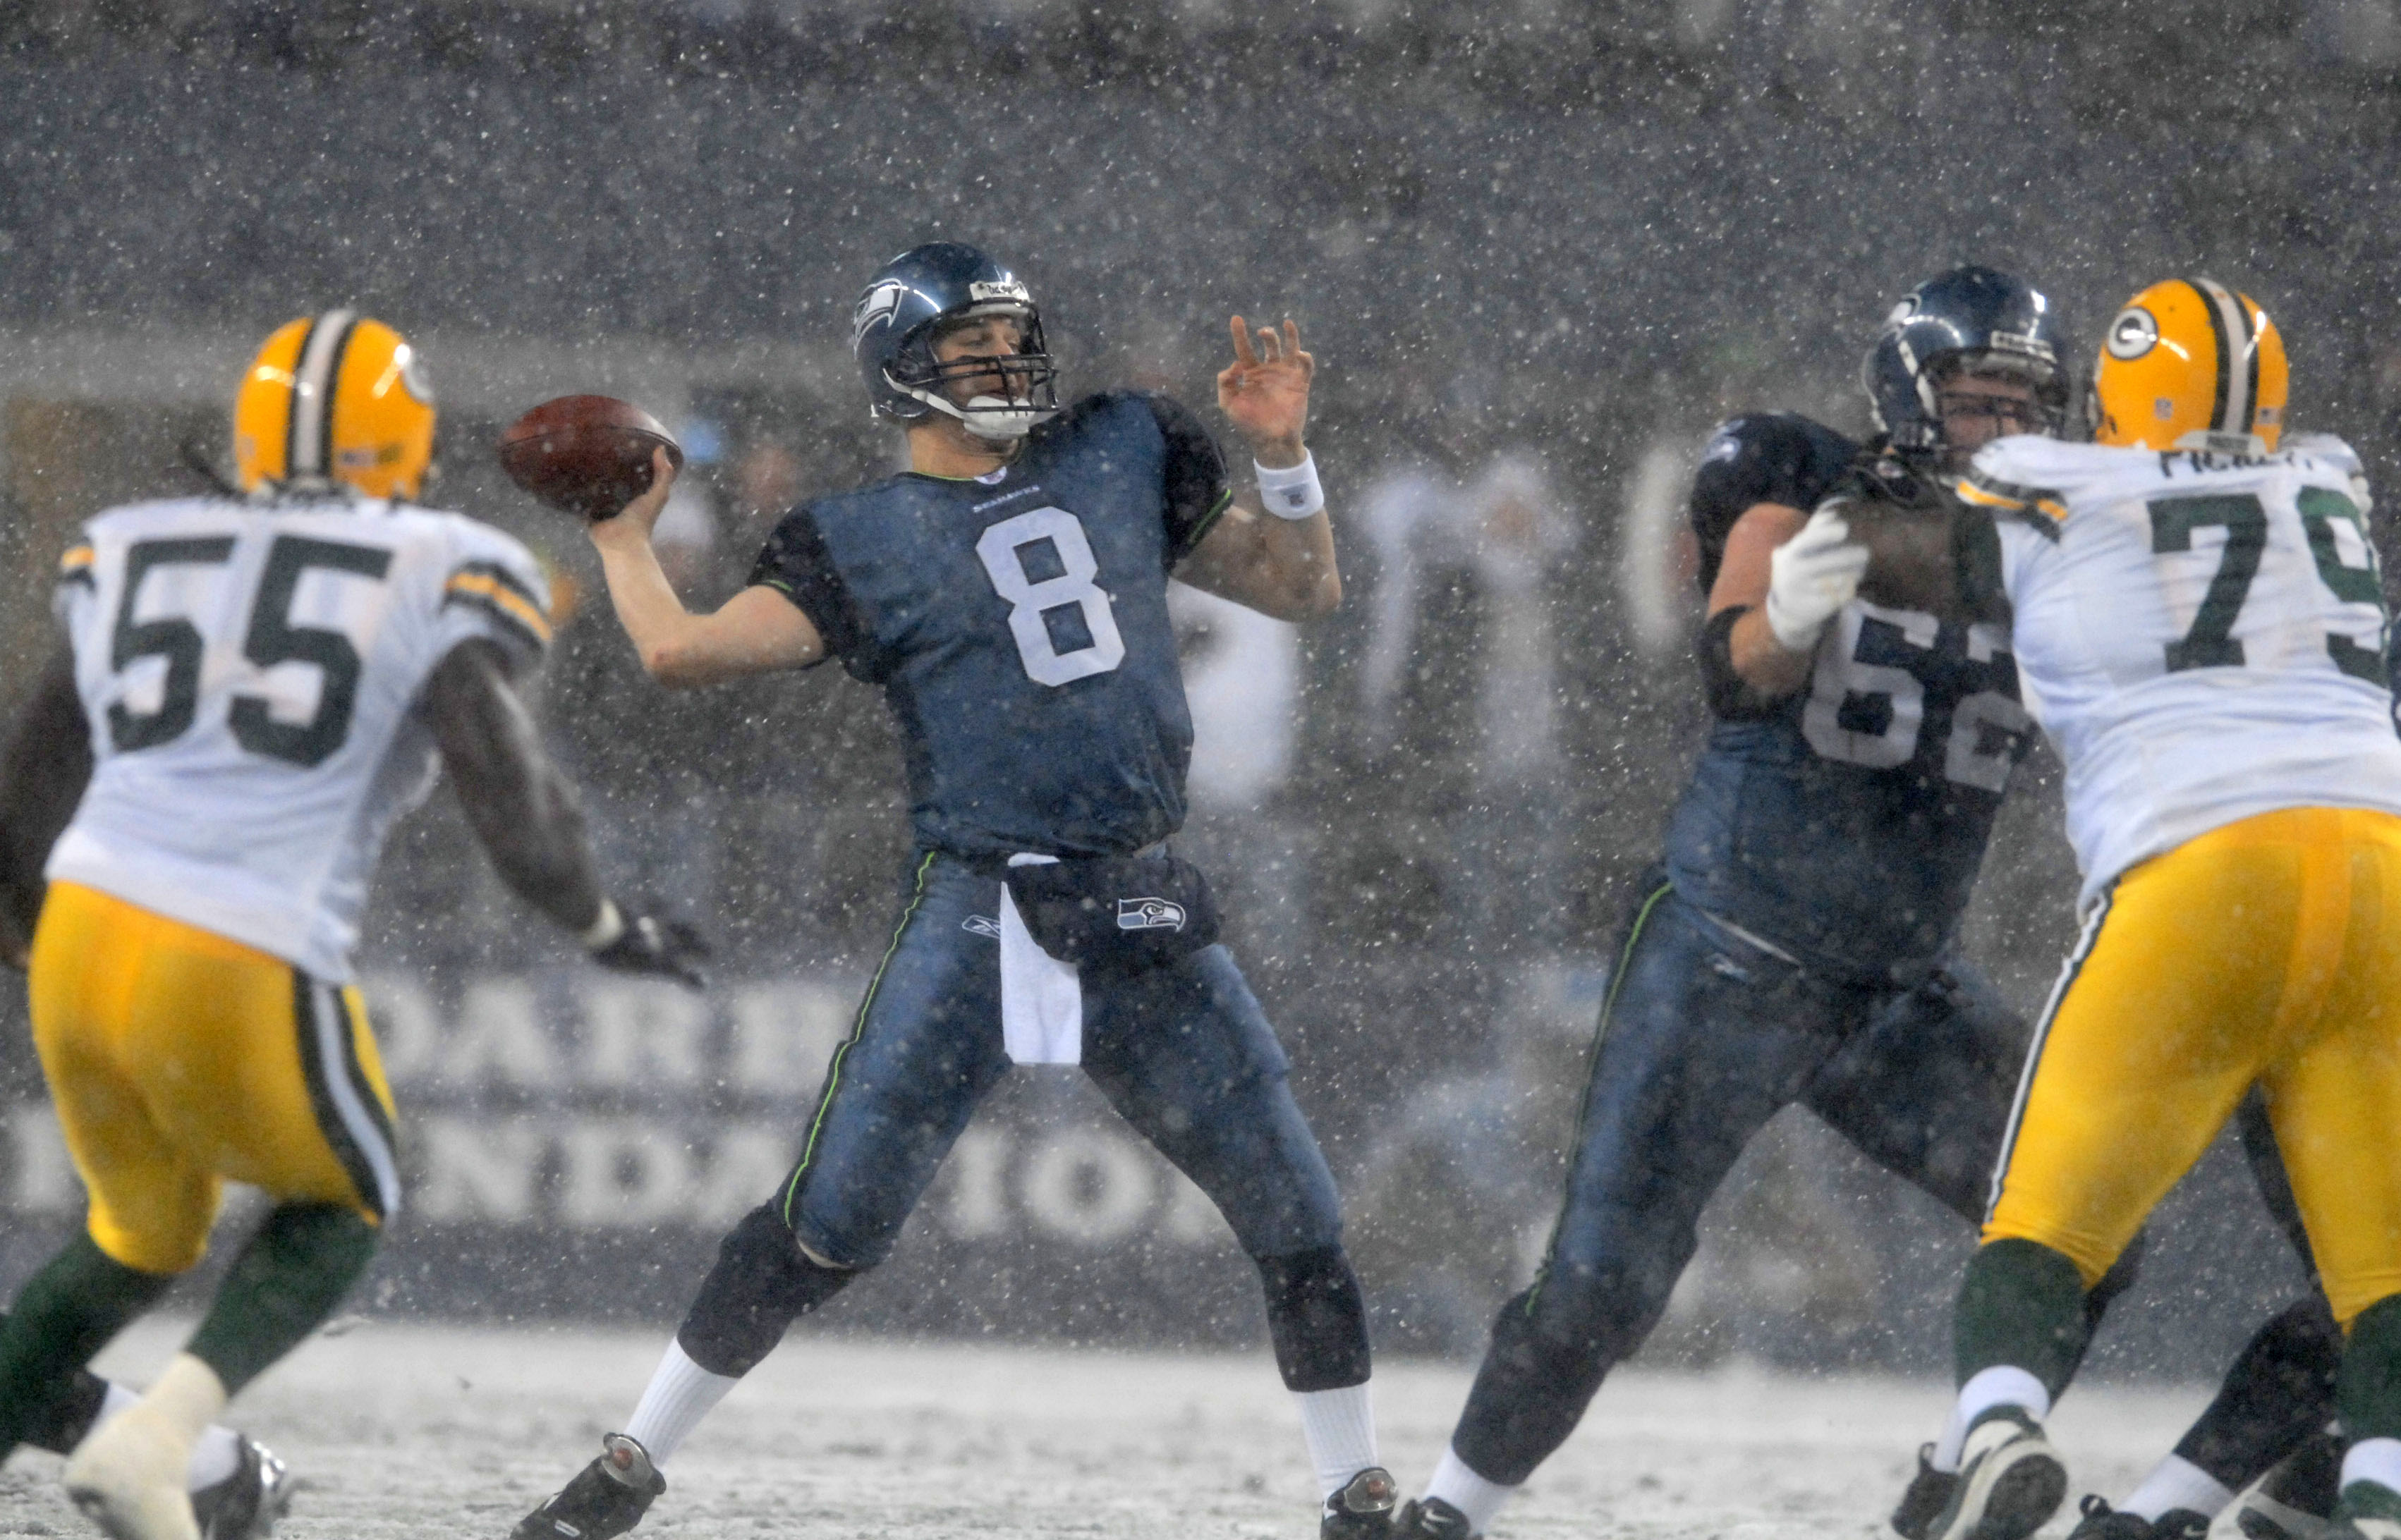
pixel 1149 914
pixel 2133 333
pixel 877 304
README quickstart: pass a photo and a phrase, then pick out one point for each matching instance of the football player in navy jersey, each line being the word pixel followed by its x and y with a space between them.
pixel 1009 593
pixel 1799 942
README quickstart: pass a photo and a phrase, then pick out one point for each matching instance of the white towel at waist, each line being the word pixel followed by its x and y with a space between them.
pixel 1041 1000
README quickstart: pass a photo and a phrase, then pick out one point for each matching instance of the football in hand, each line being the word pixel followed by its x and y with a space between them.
pixel 585 455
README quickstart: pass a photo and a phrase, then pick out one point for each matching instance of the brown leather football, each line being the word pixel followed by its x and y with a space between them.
pixel 589 456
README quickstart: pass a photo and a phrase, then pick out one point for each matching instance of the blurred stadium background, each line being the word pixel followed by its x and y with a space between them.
pixel 1539 247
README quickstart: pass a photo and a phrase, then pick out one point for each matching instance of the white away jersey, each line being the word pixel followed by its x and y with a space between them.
pixel 2202 636
pixel 248 669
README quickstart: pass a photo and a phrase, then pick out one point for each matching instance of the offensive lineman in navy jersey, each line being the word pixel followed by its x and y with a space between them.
pixel 1009 593
pixel 1799 943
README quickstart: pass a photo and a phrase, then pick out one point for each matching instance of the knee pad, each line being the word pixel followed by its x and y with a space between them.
pixel 1317 1318
pixel 1569 1330
pixel 760 1285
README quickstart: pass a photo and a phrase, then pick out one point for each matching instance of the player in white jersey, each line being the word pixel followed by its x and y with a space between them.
pixel 253 686
pixel 2199 627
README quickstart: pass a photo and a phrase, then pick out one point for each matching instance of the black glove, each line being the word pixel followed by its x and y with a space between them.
pixel 644 944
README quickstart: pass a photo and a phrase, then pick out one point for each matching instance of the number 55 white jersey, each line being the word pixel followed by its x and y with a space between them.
pixel 249 670
pixel 2202 636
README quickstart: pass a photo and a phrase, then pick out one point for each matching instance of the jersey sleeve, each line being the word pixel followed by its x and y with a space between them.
pixel 796 563
pixel 1769 457
pixel 493 589
pixel 2340 454
pixel 1196 488
pixel 2008 483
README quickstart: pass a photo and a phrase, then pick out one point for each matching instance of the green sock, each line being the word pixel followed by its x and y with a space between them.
pixel 2367 1393
pixel 65 1312
pixel 2020 1303
pixel 283 1285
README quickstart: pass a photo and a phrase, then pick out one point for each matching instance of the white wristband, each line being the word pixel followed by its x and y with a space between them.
pixel 606 928
pixel 1291 492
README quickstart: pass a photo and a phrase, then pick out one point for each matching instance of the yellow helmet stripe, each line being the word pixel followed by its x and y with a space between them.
pixel 2230 327
pixel 308 451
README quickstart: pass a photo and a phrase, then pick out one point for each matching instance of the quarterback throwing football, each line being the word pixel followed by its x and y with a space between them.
pixel 1009 593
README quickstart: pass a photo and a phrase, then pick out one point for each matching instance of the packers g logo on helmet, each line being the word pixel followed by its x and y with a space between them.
pixel 2134 333
pixel 335 399
pixel 2192 364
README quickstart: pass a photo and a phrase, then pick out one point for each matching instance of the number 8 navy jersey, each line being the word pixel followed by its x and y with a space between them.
pixel 249 670
pixel 1018 625
pixel 1846 823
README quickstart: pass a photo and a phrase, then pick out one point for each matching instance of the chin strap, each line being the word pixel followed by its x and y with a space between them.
pixel 992 417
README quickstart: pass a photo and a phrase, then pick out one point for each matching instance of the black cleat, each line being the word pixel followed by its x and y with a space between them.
pixel 2296 1500
pixel 246 1505
pixel 2103 1522
pixel 1362 1509
pixel 607 1498
pixel 1930 1492
pixel 2367 1510
pixel 2011 1481
pixel 1431 1519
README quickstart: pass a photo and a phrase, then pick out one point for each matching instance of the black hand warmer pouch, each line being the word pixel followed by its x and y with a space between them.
pixel 1115 914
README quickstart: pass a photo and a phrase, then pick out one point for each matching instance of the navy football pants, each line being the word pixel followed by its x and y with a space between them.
pixel 1703 1039
pixel 1183 1053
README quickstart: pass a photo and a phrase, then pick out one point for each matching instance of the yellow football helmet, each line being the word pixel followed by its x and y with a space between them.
pixel 2192 364
pixel 335 399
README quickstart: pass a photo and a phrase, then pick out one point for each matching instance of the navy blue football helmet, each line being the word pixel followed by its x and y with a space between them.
pixel 1970 318
pixel 908 302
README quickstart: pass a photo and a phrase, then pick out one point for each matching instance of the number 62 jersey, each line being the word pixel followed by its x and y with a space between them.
pixel 2202 635
pixel 248 670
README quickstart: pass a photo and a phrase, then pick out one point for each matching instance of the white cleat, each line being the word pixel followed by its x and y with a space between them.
pixel 128 1478
pixel 2011 1481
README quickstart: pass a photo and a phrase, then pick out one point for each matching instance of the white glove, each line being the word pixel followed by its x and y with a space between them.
pixel 1810 577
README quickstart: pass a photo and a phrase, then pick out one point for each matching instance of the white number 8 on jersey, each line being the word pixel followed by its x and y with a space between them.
pixel 1003 550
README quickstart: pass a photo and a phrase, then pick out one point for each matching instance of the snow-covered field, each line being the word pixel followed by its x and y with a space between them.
pixel 452 1432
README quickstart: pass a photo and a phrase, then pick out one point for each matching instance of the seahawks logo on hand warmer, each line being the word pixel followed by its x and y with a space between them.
pixel 1149 914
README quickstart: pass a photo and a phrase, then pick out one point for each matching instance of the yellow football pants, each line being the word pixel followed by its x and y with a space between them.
pixel 179 1060
pixel 2265 952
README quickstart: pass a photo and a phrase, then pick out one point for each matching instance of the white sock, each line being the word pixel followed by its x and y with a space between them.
pixel 216 1455
pixel 2176 1483
pixel 2377 1460
pixel 1470 1493
pixel 1997 1386
pixel 1339 1428
pixel 679 1395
